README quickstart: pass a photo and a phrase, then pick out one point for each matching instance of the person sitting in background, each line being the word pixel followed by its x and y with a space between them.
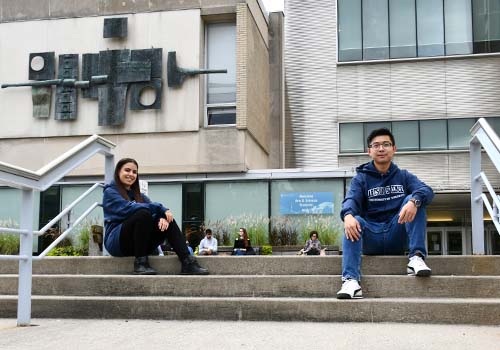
pixel 135 226
pixel 242 244
pixel 313 245
pixel 189 248
pixel 208 245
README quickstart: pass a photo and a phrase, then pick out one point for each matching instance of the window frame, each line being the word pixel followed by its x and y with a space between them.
pixel 390 122
pixel 207 106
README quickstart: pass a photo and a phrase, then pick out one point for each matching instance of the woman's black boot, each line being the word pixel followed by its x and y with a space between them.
pixel 191 267
pixel 141 266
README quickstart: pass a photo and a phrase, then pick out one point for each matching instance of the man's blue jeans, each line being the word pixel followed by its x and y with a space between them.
pixel 388 238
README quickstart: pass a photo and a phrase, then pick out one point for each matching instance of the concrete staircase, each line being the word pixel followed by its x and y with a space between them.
pixel 462 290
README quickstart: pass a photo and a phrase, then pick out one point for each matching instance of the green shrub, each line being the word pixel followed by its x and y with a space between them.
pixel 9 244
pixel 66 251
pixel 266 250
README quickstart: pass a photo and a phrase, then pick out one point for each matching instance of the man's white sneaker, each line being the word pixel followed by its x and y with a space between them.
pixel 417 267
pixel 350 290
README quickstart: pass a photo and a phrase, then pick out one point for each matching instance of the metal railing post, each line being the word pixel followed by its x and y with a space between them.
pixel 476 200
pixel 25 265
pixel 109 168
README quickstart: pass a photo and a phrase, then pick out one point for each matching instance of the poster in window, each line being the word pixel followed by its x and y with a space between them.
pixel 297 203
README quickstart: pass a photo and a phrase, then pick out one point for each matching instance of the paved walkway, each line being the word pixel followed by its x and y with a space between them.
pixel 54 334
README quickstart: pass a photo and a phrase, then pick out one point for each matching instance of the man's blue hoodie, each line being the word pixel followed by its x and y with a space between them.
pixel 378 197
pixel 117 209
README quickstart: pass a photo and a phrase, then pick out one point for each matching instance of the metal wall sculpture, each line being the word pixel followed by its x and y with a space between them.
pixel 106 76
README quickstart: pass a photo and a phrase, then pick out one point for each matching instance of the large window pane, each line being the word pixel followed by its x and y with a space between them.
pixel 458 26
pixel 486 24
pixel 375 29
pixel 170 195
pixel 459 133
pixel 71 193
pixel 349 27
pixel 221 54
pixel 430 30
pixel 351 137
pixel 406 135
pixel 402 28
pixel 495 124
pixel 433 135
pixel 231 205
pixel 295 228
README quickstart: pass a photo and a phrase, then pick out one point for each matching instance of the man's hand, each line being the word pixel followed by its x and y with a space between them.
pixel 169 216
pixel 352 228
pixel 163 224
pixel 407 213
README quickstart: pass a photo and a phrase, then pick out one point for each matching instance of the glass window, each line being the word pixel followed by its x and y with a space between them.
pixel 349 30
pixel 486 25
pixel 375 29
pixel 430 29
pixel 458 26
pixel 351 137
pixel 170 195
pixel 221 54
pixel 494 123
pixel 300 206
pixel 231 205
pixel 406 135
pixel 433 135
pixel 10 214
pixel 71 193
pixel 402 28
pixel 459 133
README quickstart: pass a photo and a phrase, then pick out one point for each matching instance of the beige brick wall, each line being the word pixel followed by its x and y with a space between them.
pixel 252 85
pixel 241 65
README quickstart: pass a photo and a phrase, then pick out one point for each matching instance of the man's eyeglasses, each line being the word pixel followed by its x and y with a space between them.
pixel 376 145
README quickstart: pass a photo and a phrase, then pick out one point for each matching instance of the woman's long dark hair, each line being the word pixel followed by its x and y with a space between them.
pixel 245 236
pixel 135 186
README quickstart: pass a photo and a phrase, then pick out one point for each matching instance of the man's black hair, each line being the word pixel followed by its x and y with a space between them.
pixel 380 132
pixel 207 231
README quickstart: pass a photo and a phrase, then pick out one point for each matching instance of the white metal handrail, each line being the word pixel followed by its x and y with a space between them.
pixel 29 182
pixel 67 209
pixel 66 232
pixel 483 137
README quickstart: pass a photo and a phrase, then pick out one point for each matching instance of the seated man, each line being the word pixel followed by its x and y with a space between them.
pixel 384 206
pixel 208 245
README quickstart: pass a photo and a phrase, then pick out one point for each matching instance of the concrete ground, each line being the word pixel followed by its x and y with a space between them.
pixel 54 334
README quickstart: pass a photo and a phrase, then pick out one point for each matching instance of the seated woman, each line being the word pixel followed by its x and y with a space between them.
pixel 135 226
pixel 313 245
pixel 242 244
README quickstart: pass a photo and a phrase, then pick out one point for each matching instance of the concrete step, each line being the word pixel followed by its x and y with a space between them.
pixel 413 310
pixel 374 286
pixel 263 265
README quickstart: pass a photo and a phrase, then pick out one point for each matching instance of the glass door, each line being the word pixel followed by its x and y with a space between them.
pixel 435 241
pixel 454 242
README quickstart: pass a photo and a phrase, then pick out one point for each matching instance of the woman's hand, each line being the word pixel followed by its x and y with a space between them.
pixel 169 216
pixel 163 224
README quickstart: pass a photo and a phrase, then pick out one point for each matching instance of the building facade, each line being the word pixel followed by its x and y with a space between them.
pixel 426 69
pixel 177 125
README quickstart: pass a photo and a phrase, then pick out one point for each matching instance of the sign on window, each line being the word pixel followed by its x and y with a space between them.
pixel 295 203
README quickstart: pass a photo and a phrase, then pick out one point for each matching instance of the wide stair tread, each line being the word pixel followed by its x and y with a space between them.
pixel 416 310
pixel 319 286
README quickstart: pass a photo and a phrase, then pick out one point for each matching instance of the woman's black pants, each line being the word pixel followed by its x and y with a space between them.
pixel 140 236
